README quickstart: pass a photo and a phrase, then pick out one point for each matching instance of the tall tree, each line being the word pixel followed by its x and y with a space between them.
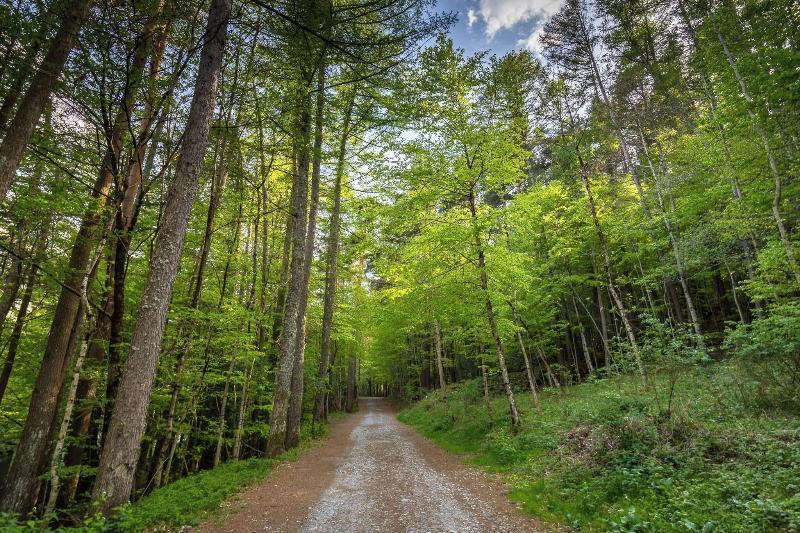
pixel 120 453
pixel 329 299
pixel 30 108
pixel 32 448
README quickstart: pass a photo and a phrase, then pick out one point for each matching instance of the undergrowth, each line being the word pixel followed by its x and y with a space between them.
pixel 186 501
pixel 686 455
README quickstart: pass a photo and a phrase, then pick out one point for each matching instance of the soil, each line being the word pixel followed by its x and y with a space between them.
pixel 374 474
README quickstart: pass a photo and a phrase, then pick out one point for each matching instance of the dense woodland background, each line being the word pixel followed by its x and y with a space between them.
pixel 221 222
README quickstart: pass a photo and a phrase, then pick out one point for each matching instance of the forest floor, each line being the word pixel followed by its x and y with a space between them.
pixel 374 474
pixel 698 451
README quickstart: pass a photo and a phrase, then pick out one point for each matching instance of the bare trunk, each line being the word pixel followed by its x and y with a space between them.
pixel 501 358
pixel 528 367
pixel 118 460
pixel 584 344
pixel 550 375
pixel 265 256
pixel 295 413
pixel 222 409
pixel 352 391
pixel 486 396
pixel 217 188
pixel 437 338
pixel 128 204
pixel 276 441
pixel 13 278
pixel 329 299
pixel 283 280
pixel 62 432
pixel 601 306
pixel 739 309
pixel 237 442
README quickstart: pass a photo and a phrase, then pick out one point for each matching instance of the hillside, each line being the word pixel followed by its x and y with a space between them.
pixel 606 455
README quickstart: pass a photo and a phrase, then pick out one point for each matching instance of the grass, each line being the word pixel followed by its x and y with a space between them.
pixel 189 500
pixel 609 456
pixel 195 498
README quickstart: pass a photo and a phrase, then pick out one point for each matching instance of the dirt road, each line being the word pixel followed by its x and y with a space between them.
pixel 374 474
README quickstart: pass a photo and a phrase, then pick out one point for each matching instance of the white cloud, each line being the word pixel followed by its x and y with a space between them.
pixel 505 14
pixel 531 42
pixel 471 18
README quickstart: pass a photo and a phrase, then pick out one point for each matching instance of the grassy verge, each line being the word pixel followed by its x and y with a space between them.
pixel 609 456
pixel 192 499
pixel 187 501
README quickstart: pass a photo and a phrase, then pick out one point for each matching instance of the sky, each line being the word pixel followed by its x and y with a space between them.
pixel 498 25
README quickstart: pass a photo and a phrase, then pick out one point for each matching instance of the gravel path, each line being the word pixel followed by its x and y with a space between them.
pixel 374 475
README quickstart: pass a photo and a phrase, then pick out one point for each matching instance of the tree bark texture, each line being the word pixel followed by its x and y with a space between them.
pixel 120 453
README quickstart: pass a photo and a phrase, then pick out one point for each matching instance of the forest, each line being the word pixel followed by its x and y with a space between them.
pixel 224 221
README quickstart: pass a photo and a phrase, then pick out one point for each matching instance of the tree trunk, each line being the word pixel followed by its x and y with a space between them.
pixel 601 309
pixel 128 204
pixel 118 460
pixel 13 279
pixel 221 427
pixel 528 367
pixel 352 391
pixel 295 413
pixel 437 339
pixel 552 377
pixel 276 441
pixel 329 299
pixel 265 255
pixel 33 445
pixel 237 442
pixel 85 315
pixel 196 288
pixel 582 333
pixel 283 279
pixel 19 323
pixel 486 396
pixel 30 109
pixel 773 165
pixel 501 358
pixel 55 459
pixel 612 289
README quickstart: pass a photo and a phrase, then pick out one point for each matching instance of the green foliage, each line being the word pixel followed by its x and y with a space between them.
pixel 605 455
pixel 188 500
pixel 769 349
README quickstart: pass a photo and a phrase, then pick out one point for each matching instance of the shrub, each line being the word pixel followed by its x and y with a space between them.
pixel 769 353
